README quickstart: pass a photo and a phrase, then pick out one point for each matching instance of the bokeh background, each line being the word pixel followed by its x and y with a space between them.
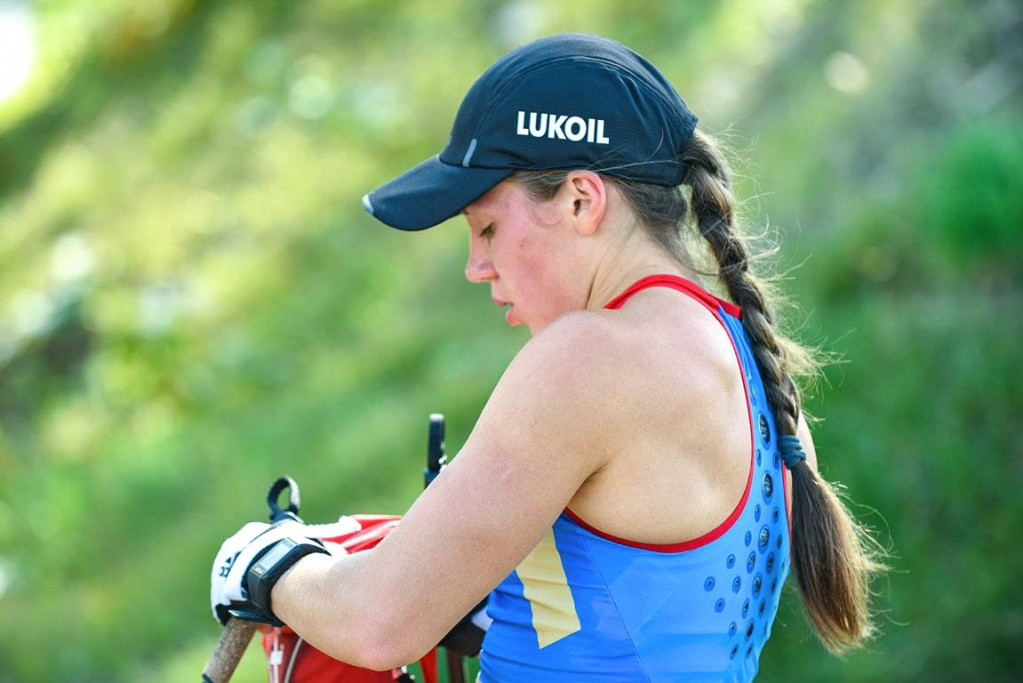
pixel 193 301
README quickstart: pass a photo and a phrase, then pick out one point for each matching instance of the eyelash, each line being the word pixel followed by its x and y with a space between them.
pixel 487 231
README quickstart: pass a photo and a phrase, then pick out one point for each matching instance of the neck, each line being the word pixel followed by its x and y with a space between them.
pixel 627 260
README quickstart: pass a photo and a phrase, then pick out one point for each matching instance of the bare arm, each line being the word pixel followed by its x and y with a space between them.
pixel 541 435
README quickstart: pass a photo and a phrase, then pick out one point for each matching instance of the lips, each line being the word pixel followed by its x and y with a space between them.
pixel 508 313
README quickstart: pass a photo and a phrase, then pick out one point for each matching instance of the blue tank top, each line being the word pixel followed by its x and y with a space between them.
pixel 588 607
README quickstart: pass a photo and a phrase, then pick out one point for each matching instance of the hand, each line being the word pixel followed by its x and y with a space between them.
pixel 234 590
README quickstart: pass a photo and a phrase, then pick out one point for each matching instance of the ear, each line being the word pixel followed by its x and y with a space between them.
pixel 587 194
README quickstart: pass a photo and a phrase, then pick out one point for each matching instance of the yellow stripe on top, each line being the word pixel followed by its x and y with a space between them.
pixel 546 588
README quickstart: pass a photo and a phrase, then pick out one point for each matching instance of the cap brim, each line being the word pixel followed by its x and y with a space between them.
pixel 430 193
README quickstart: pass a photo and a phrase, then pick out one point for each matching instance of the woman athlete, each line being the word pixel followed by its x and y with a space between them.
pixel 641 478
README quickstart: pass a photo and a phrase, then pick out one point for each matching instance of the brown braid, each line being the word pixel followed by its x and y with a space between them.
pixel 833 556
pixel 712 208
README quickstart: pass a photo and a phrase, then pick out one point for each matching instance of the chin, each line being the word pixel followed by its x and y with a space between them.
pixel 535 328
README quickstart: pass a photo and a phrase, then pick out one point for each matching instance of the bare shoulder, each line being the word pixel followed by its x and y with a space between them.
pixel 594 377
pixel 663 344
pixel 571 347
pixel 562 383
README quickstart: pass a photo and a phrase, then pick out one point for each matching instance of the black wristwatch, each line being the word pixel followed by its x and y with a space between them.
pixel 264 573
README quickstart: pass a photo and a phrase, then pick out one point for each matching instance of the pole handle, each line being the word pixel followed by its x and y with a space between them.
pixel 230 648
pixel 238 632
pixel 435 456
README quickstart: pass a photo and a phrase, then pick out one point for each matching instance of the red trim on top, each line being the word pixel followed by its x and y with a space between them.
pixel 712 303
pixel 679 284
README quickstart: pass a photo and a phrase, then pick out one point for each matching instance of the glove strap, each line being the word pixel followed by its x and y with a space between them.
pixel 264 573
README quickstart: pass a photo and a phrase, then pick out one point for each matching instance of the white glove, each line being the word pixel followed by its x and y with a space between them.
pixel 236 555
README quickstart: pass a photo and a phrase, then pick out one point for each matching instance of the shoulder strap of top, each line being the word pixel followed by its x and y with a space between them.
pixel 679 284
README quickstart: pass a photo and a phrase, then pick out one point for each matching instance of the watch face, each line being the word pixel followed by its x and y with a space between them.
pixel 272 557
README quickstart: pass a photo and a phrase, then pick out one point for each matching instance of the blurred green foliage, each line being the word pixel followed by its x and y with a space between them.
pixel 193 302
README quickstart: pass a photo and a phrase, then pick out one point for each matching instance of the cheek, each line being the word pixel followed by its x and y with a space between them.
pixel 533 257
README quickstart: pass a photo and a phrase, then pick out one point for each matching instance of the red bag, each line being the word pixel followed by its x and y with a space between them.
pixel 291 660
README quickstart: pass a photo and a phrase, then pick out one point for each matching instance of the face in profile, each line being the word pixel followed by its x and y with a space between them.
pixel 523 250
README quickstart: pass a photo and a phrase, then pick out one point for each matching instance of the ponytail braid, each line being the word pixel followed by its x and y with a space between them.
pixel 832 554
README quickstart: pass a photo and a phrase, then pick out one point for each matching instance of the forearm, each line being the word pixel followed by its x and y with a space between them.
pixel 353 611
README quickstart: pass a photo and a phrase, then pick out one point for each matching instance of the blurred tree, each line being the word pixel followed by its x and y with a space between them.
pixel 192 300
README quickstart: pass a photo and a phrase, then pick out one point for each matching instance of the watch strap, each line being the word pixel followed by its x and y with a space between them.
pixel 264 572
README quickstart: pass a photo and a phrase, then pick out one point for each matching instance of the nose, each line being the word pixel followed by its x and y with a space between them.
pixel 479 268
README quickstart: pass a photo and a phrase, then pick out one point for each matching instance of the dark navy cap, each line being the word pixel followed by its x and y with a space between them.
pixel 569 101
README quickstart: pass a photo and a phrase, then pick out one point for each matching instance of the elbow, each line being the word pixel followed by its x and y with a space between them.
pixel 382 657
pixel 386 645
